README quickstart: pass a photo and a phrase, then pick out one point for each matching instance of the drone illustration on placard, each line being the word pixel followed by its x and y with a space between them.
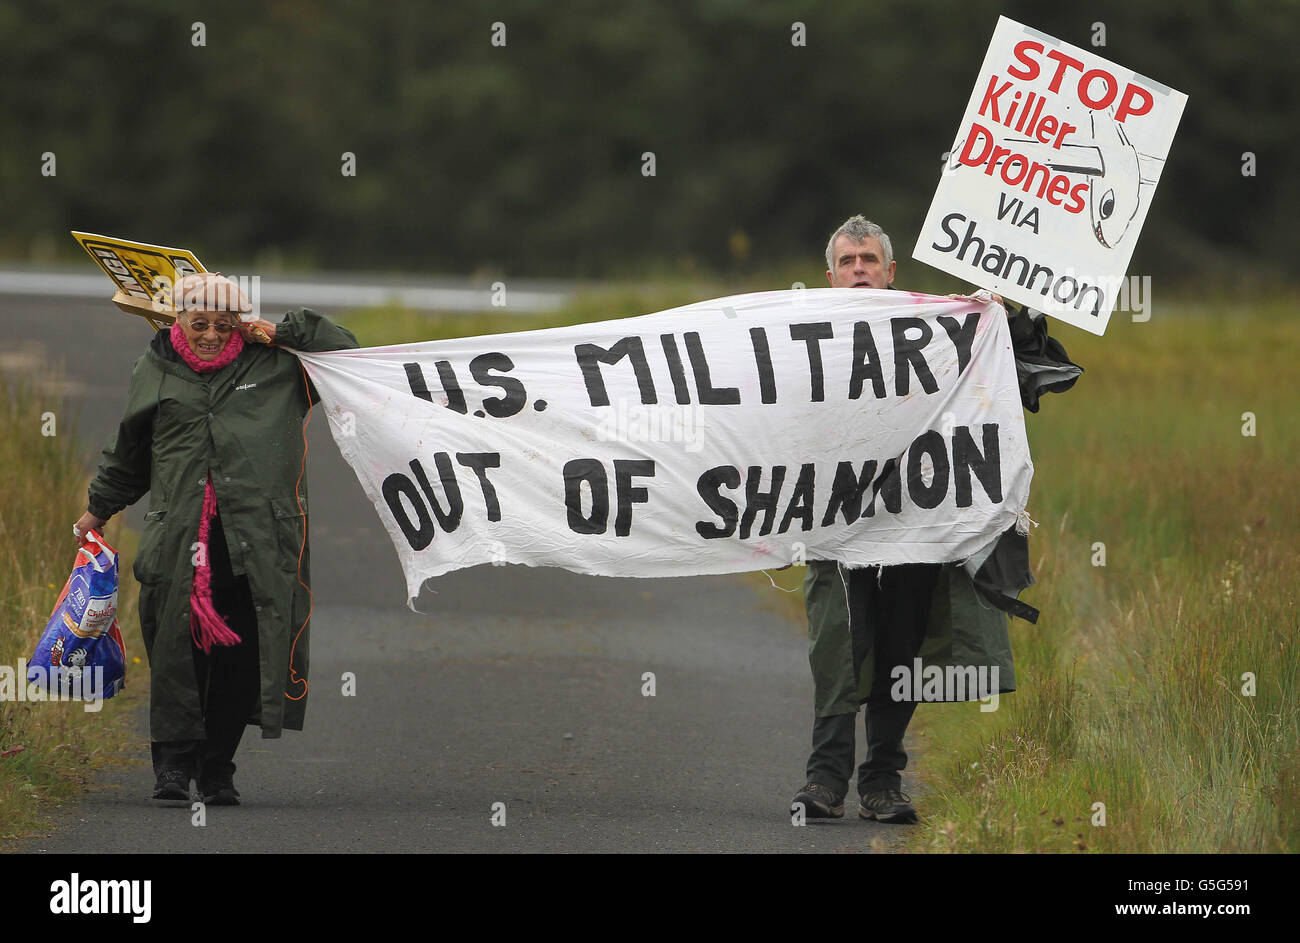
pixel 1115 170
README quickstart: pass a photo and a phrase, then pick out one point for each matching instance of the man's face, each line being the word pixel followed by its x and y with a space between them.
pixel 860 264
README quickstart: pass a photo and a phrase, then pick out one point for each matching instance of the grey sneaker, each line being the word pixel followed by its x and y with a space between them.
pixel 888 805
pixel 819 802
pixel 172 785
pixel 220 793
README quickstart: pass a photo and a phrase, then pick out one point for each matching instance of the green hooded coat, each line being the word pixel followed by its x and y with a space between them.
pixel 242 423
pixel 968 623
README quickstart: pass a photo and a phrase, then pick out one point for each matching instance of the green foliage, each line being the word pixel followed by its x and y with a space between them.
pixel 526 159
pixel 1131 684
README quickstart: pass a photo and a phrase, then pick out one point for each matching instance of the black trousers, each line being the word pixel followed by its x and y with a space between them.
pixel 895 608
pixel 229 682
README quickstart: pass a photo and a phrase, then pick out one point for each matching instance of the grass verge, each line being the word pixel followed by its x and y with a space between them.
pixel 49 751
pixel 394 324
pixel 1166 558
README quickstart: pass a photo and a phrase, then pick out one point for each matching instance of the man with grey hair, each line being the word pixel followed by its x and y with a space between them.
pixel 862 233
pixel 862 623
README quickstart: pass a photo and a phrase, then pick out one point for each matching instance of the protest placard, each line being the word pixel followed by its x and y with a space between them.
pixel 144 274
pixel 1049 179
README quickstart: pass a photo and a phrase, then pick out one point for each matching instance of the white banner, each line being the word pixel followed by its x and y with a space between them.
pixel 1050 177
pixel 744 433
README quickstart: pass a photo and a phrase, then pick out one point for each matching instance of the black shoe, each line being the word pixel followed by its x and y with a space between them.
pixel 173 785
pixel 887 805
pixel 220 794
pixel 818 802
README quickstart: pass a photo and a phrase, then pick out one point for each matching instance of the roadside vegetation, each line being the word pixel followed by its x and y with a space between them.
pixel 50 751
pixel 394 324
pixel 1162 684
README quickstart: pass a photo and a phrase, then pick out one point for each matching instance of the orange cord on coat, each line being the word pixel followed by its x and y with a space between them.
pixel 297 496
pixel 311 600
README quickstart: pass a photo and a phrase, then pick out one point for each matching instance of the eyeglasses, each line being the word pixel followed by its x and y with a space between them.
pixel 201 327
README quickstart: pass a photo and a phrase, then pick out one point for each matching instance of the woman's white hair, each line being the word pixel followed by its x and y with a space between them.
pixel 859 229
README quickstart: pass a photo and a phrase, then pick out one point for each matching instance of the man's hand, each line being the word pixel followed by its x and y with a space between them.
pixel 259 331
pixel 982 297
pixel 85 525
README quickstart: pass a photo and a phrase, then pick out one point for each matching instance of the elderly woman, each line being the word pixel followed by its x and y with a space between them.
pixel 213 432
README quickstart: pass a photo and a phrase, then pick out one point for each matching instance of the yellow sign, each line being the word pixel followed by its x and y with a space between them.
pixel 143 273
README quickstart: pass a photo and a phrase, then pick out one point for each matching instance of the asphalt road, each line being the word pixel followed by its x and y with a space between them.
pixel 518 685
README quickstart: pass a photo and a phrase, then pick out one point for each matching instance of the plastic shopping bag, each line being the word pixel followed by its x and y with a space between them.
pixel 80 654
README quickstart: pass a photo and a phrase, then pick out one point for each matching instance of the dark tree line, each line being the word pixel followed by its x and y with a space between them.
pixel 528 157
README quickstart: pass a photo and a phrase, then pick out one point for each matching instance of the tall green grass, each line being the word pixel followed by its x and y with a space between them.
pixel 61 744
pixel 1131 684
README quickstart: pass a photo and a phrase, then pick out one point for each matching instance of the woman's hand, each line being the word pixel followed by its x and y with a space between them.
pixel 259 331
pixel 86 524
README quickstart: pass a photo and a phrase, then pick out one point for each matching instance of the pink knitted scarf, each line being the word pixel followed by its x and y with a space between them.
pixel 227 355
pixel 207 628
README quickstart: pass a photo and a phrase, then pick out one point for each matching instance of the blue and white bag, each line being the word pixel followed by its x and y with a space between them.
pixel 80 654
